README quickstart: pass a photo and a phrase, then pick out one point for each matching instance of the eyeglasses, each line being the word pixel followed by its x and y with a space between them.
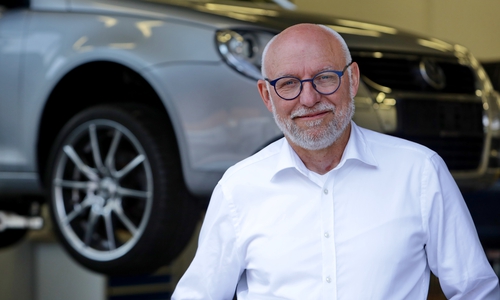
pixel 325 83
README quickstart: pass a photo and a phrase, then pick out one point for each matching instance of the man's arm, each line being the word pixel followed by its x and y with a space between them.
pixel 216 267
pixel 454 252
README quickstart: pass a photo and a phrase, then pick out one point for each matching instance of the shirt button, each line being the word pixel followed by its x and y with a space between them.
pixel 325 191
pixel 328 279
pixel 327 235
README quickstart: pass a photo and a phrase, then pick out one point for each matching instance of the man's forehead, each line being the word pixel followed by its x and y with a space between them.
pixel 291 56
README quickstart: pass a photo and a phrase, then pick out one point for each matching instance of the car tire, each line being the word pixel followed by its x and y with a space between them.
pixel 117 198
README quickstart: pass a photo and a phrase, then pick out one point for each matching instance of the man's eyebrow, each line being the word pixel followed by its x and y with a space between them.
pixel 284 75
pixel 328 68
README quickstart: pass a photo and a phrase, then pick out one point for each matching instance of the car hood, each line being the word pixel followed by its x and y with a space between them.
pixel 357 34
pixel 360 36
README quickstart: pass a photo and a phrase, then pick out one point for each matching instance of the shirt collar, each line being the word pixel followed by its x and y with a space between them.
pixel 356 149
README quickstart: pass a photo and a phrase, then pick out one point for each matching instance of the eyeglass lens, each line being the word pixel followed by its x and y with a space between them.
pixel 324 83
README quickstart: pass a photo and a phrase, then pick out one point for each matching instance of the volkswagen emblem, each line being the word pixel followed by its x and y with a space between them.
pixel 432 73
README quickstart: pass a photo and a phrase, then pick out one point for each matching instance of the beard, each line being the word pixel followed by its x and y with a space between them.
pixel 315 136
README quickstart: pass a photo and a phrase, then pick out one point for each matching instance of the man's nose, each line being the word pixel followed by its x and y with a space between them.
pixel 309 96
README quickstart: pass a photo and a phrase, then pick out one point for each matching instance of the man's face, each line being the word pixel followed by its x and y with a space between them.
pixel 316 133
pixel 312 121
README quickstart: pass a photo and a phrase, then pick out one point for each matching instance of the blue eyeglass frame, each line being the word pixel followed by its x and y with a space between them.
pixel 339 73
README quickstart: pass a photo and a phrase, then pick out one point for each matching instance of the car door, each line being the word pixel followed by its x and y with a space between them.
pixel 11 32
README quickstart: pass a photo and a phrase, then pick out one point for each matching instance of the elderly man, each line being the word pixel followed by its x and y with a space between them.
pixel 332 210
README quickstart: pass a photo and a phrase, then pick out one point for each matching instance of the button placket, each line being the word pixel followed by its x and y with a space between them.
pixel 328 238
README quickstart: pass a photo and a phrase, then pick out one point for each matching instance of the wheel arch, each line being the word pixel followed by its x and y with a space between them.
pixel 89 84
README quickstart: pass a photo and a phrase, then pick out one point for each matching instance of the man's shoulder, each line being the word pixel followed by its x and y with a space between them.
pixel 257 164
pixel 386 142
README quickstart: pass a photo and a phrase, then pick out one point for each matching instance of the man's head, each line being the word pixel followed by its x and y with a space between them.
pixel 316 118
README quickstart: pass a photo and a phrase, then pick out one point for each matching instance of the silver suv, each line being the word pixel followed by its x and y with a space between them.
pixel 123 115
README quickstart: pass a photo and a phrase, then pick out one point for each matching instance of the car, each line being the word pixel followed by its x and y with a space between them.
pixel 483 204
pixel 121 116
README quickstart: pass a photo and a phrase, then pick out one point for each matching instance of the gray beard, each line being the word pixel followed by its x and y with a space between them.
pixel 322 139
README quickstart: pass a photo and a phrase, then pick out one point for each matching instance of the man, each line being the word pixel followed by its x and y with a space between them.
pixel 333 211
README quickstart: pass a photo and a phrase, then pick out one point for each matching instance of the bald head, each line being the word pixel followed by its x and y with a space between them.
pixel 299 37
pixel 313 120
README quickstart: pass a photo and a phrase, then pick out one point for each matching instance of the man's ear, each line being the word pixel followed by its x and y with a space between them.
pixel 354 78
pixel 264 94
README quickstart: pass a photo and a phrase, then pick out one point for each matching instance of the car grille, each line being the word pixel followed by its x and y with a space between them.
pixel 446 119
pixel 452 129
pixel 404 74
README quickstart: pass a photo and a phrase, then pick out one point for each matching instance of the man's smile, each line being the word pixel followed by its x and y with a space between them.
pixel 312 116
pixel 315 113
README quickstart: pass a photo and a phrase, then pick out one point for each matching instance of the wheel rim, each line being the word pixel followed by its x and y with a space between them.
pixel 102 190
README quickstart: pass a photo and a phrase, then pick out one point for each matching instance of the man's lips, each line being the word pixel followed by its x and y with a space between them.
pixel 312 115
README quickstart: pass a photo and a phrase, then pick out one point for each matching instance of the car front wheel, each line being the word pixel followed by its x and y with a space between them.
pixel 117 197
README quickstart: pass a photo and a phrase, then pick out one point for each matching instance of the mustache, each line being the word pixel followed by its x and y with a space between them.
pixel 321 107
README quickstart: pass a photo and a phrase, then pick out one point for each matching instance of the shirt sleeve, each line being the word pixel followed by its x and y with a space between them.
pixel 454 252
pixel 216 267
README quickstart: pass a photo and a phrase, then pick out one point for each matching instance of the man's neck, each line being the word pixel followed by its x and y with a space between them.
pixel 323 160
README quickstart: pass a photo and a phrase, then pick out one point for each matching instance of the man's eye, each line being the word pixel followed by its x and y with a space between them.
pixel 287 83
pixel 326 79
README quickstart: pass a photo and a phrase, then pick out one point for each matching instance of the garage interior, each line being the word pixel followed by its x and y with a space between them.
pixel 37 268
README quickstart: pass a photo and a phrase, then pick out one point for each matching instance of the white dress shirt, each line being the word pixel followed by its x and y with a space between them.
pixel 372 228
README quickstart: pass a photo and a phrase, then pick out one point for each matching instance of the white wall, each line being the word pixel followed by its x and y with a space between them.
pixel 472 23
pixel 32 270
pixel 16 282
pixel 57 276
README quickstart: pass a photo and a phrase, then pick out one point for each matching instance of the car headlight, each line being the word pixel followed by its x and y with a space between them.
pixel 242 50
